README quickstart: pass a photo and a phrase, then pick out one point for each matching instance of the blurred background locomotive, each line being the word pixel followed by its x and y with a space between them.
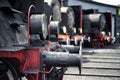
pixel 94 27
pixel 97 27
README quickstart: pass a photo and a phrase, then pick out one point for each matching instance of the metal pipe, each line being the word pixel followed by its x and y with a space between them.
pixel 61 59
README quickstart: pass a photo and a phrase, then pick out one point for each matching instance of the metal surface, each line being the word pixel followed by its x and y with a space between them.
pixel 96 20
pixel 86 27
pixel 3 67
pixel 12 48
pixel 67 19
pixel 78 18
pixel 28 60
pixel 54 27
pixel 4 3
pixel 58 59
pixel 15 27
pixel 24 57
pixel 10 73
pixel 23 6
pixel 52 8
pixel 38 25
pixel 71 48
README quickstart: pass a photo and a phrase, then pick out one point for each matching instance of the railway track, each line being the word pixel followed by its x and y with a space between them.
pixel 98 64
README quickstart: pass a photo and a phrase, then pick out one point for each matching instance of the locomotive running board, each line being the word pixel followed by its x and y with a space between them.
pixel 12 48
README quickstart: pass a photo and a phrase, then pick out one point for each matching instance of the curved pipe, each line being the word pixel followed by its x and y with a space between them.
pixel 28 23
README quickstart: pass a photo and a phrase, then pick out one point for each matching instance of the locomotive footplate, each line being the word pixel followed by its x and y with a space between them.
pixel 12 48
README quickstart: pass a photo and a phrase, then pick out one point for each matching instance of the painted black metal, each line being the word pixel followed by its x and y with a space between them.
pixel 10 67
pixel 38 25
pixel 86 26
pixel 54 27
pixel 90 11
pixel 4 3
pixel 13 48
pixel 117 23
pixel 23 5
pixel 3 68
pixel 13 28
pixel 67 19
pixel 117 29
pixel 76 10
pixel 96 20
pixel 71 48
pixel 54 30
pixel 60 59
pixel 62 42
pixel 108 26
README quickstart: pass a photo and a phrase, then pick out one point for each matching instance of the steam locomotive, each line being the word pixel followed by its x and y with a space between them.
pixel 34 34
pixel 91 26
pixel 97 27
pixel 29 41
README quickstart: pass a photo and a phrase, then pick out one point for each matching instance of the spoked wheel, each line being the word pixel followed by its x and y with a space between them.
pixel 9 73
